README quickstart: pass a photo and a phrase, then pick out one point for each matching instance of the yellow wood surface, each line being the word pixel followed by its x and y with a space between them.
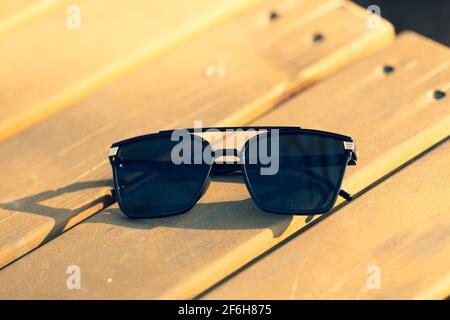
pixel 15 12
pixel 400 230
pixel 179 257
pixel 60 174
pixel 46 66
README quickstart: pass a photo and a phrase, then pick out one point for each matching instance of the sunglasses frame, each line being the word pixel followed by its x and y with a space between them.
pixel 220 168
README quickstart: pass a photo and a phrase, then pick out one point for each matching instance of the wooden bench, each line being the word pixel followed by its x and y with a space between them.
pixel 407 242
pixel 244 70
pixel 43 203
pixel 61 66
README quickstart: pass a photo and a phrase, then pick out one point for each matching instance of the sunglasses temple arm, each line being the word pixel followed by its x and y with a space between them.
pixel 113 195
pixel 347 196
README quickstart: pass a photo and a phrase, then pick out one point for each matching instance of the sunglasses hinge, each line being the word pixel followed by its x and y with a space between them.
pixel 350 145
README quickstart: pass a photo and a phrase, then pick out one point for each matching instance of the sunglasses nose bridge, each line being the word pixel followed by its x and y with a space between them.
pixel 224 167
pixel 226 153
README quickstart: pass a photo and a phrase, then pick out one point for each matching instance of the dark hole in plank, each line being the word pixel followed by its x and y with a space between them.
pixel 387 69
pixel 274 15
pixel 439 94
pixel 318 37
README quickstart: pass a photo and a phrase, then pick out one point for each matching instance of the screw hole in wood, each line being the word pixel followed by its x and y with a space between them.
pixel 388 69
pixel 273 15
pixel 439 94
pixel 317 37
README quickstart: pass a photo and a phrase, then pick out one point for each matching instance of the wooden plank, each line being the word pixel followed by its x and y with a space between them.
pixel 179 257
pixel 60 174
pixel 62 66
pixel 401 229
pixel 14 13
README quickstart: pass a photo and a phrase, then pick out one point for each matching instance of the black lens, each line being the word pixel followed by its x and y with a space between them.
pixel 307 177
pixel 149 183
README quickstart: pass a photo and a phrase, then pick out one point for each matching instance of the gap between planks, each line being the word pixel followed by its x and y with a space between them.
pixel 189 253
pixel 60 171
pixel 400 228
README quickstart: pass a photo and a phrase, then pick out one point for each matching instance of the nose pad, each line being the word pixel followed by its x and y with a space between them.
pixel 208 182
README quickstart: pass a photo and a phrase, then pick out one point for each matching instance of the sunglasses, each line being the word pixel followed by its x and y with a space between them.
pixel 287 170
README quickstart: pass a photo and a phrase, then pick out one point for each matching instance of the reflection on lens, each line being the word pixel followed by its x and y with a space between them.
pixel 311 168
pixel 150 184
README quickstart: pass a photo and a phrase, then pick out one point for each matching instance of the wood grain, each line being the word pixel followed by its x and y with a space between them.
pixel 60 174
pixel 13 13
pixel 401 228
pixel 179 257
pixel 47 67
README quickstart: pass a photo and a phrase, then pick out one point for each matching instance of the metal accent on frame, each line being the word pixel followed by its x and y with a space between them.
pixel 349 145
pixel 113 151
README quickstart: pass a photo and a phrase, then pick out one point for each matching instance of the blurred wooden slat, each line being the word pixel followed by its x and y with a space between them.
pixel 179 257
pixel 60 174
pixel 400 228
pixel 15 12
pixel 46 67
